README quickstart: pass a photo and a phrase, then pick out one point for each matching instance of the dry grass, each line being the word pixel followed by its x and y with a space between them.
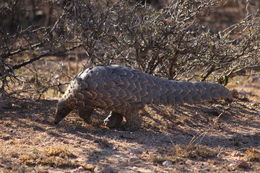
pixel 60 151
pixel 252 154
pixel 182 152
pixel 56 156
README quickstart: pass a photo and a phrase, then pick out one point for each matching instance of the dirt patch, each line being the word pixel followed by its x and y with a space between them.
pixel 210 137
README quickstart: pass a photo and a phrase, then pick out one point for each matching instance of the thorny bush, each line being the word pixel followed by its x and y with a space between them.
pixel 169 42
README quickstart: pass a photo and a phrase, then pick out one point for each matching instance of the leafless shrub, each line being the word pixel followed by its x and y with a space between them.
pixel 170 42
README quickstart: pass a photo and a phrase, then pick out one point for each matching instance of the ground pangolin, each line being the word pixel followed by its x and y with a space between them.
pixel 125 91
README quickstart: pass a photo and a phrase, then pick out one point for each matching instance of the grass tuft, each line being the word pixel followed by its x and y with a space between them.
pixel 253 155
pixel 59 151
pixel 56 156
pixel 179 152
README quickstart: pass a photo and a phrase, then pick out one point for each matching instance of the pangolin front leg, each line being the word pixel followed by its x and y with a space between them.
pixel 133 121
pixel 85 113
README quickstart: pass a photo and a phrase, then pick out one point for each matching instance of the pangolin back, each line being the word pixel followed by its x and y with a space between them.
pixel 121 89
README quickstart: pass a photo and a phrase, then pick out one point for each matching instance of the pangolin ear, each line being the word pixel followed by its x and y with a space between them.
pixel 81 84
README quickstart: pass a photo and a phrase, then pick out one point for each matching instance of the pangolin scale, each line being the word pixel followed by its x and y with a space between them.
pixel 125 91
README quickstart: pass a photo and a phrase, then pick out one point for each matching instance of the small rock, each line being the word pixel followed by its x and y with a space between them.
pixel 104 169
pixel 134 161
pixel 167 163
pixel 232 167
pixel 79 169
pixel 188 162
pixel 6 137
pixel 244 165
pixel 137 151
pixel 21 170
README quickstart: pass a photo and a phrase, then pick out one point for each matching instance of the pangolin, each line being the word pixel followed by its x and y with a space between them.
pixel 125 91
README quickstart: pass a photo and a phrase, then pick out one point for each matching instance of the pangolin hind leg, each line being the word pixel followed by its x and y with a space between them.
pixel 133 121
pixel 85 113
pixel 113 120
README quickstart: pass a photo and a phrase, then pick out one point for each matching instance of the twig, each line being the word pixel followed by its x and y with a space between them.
pixel 15 67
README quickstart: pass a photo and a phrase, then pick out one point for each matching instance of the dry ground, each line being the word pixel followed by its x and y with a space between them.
pixel 212 137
